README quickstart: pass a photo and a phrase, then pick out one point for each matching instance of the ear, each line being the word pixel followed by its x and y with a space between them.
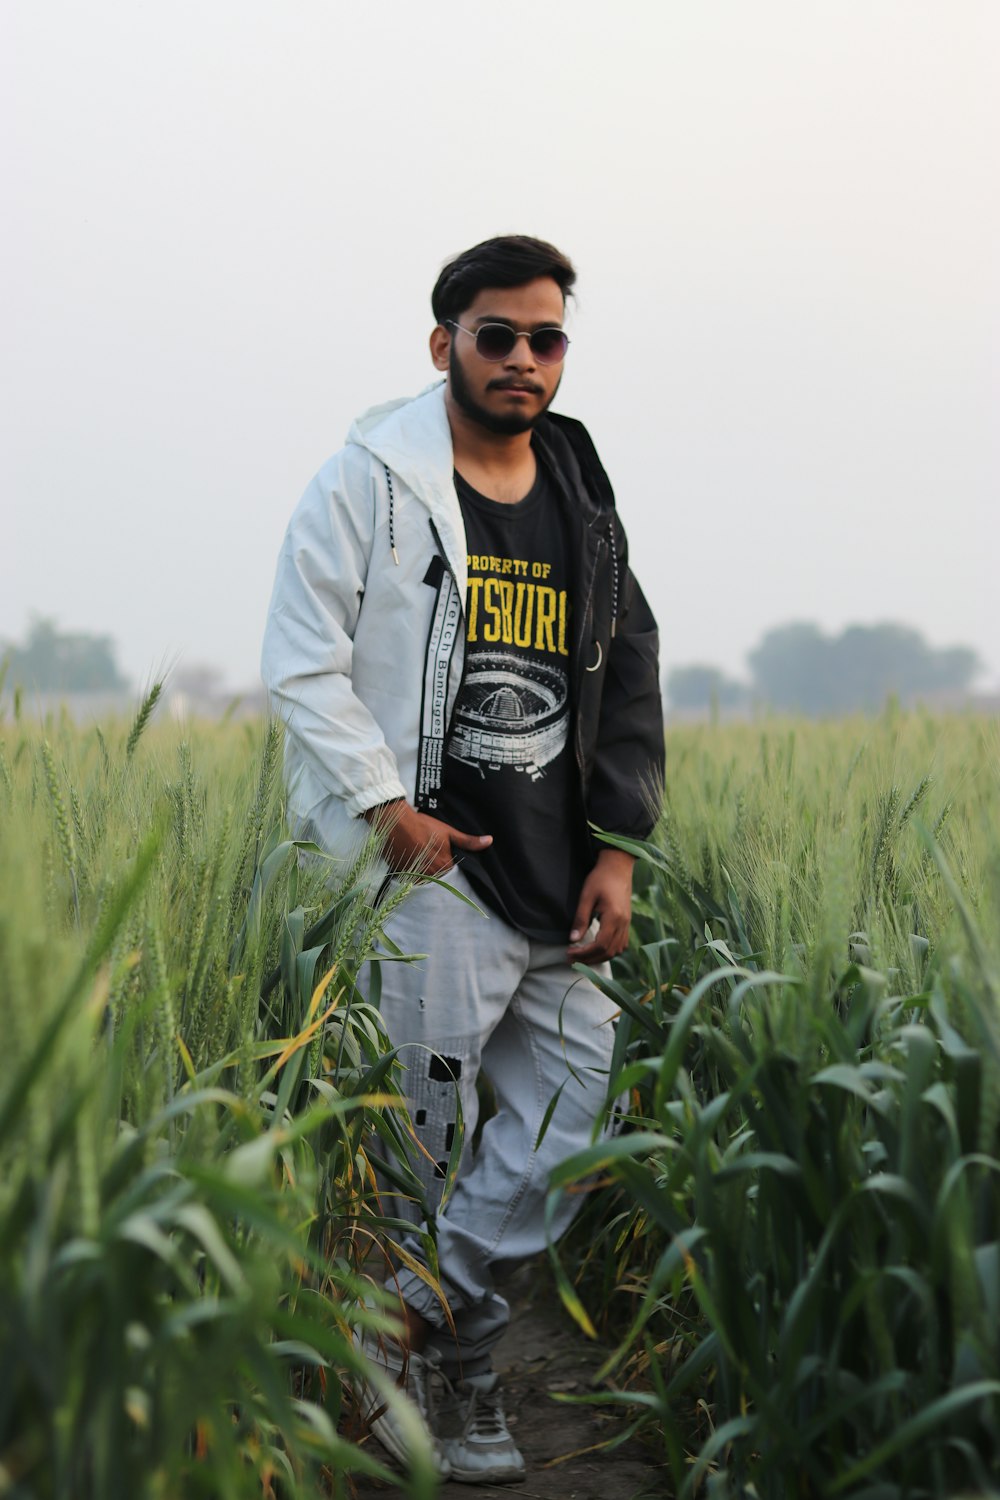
pixel 440 347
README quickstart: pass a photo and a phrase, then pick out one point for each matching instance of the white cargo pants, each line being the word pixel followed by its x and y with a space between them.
pixel 488 996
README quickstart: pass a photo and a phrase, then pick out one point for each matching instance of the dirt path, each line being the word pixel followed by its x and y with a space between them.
pixel 544 1352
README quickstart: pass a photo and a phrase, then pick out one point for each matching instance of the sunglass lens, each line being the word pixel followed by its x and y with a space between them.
pixel 549 345
pixel 495 341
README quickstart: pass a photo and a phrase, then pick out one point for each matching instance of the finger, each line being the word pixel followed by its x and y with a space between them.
pixel 590 947
pixel 470 841
pixel 587 953
pixel 584 916
pixel 609 940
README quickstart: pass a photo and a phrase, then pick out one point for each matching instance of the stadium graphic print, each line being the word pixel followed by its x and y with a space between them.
pixel 513 711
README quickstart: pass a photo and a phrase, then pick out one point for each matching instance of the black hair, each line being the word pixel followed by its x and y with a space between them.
pixel 507 260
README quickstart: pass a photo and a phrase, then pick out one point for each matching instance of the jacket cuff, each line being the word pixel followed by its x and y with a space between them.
pixel 374 796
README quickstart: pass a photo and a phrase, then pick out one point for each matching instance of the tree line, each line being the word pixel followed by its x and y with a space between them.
pixel 800 669
pixel 795 667
pixel 50 660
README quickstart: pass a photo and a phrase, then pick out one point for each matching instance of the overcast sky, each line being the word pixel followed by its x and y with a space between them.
pixel 225 218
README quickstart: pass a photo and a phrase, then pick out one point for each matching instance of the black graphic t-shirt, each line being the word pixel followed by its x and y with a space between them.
pixel 509 767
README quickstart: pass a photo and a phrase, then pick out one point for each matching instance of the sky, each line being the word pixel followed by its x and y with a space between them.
pixel 225 218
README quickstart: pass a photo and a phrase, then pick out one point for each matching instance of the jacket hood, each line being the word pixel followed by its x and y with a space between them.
pixel 412 436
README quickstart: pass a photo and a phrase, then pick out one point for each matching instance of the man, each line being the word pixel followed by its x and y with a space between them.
pixel 466 664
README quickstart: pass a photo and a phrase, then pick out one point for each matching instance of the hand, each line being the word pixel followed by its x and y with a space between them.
pixel 416 841
pixel 607 895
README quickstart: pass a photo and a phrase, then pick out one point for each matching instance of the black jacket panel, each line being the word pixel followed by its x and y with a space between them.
pixel 615 660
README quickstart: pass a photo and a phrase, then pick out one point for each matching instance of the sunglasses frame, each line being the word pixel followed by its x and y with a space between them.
pixel 516 333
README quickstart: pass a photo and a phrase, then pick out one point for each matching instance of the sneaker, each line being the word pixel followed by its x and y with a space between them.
pixel 413 1374
pixel 482 1451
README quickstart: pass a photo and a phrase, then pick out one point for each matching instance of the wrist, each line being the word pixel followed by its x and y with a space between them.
pixel 615 859
pixel 384 814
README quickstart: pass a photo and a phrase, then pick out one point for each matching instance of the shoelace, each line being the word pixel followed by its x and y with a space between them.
pixel 486 1415
pixel 425 1376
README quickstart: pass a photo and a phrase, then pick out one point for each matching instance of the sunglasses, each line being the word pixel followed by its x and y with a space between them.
pixel 494 341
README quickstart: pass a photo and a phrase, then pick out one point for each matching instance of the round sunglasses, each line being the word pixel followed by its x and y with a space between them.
pixel 494 341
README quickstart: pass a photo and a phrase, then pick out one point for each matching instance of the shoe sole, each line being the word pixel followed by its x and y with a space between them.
pixel 487 1476
pixel 496 1475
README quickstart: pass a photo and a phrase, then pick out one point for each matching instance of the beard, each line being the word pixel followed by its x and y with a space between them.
pixel 506 426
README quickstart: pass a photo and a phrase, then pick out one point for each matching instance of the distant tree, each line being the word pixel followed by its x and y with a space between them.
pixel 51 660
pixel 792 668
pixel 797 667
pixel 703 687
pixel 953 669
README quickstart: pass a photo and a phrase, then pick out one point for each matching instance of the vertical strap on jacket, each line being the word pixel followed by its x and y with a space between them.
pixel 441 641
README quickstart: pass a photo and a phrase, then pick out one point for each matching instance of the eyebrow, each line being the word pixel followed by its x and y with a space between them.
pixel 509 323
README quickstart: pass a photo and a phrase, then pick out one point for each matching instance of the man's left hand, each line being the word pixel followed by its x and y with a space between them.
pixel 606 895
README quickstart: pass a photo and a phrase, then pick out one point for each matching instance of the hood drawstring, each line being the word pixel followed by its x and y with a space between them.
pixel 614 578
pixel 392 518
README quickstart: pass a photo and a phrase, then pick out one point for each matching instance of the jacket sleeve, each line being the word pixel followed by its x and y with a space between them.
pixel 626 781
pixel 309 638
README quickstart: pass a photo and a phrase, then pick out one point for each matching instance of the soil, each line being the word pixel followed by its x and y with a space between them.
pixel 542 1353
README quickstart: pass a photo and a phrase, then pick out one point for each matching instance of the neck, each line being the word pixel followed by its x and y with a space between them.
pixel 499 465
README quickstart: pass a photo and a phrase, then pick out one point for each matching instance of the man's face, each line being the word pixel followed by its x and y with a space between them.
pixel 509 395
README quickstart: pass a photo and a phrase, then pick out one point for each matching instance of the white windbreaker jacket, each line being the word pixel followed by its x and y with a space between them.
pixel 346 647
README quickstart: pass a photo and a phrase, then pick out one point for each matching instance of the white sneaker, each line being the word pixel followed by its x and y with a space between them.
pixel 400 1426
pixel 482 1450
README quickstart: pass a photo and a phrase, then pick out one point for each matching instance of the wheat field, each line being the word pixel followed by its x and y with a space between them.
pixel 792 1244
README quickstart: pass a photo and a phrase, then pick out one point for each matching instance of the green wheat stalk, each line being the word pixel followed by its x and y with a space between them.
pixel 64 829
pixel 142 718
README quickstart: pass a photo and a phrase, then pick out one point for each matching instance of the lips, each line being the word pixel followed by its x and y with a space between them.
pixel 518 390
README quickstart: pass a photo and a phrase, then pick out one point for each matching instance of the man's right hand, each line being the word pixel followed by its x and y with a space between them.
pixel 414 841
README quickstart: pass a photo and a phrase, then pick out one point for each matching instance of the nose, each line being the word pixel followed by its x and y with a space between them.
pixel 521 356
